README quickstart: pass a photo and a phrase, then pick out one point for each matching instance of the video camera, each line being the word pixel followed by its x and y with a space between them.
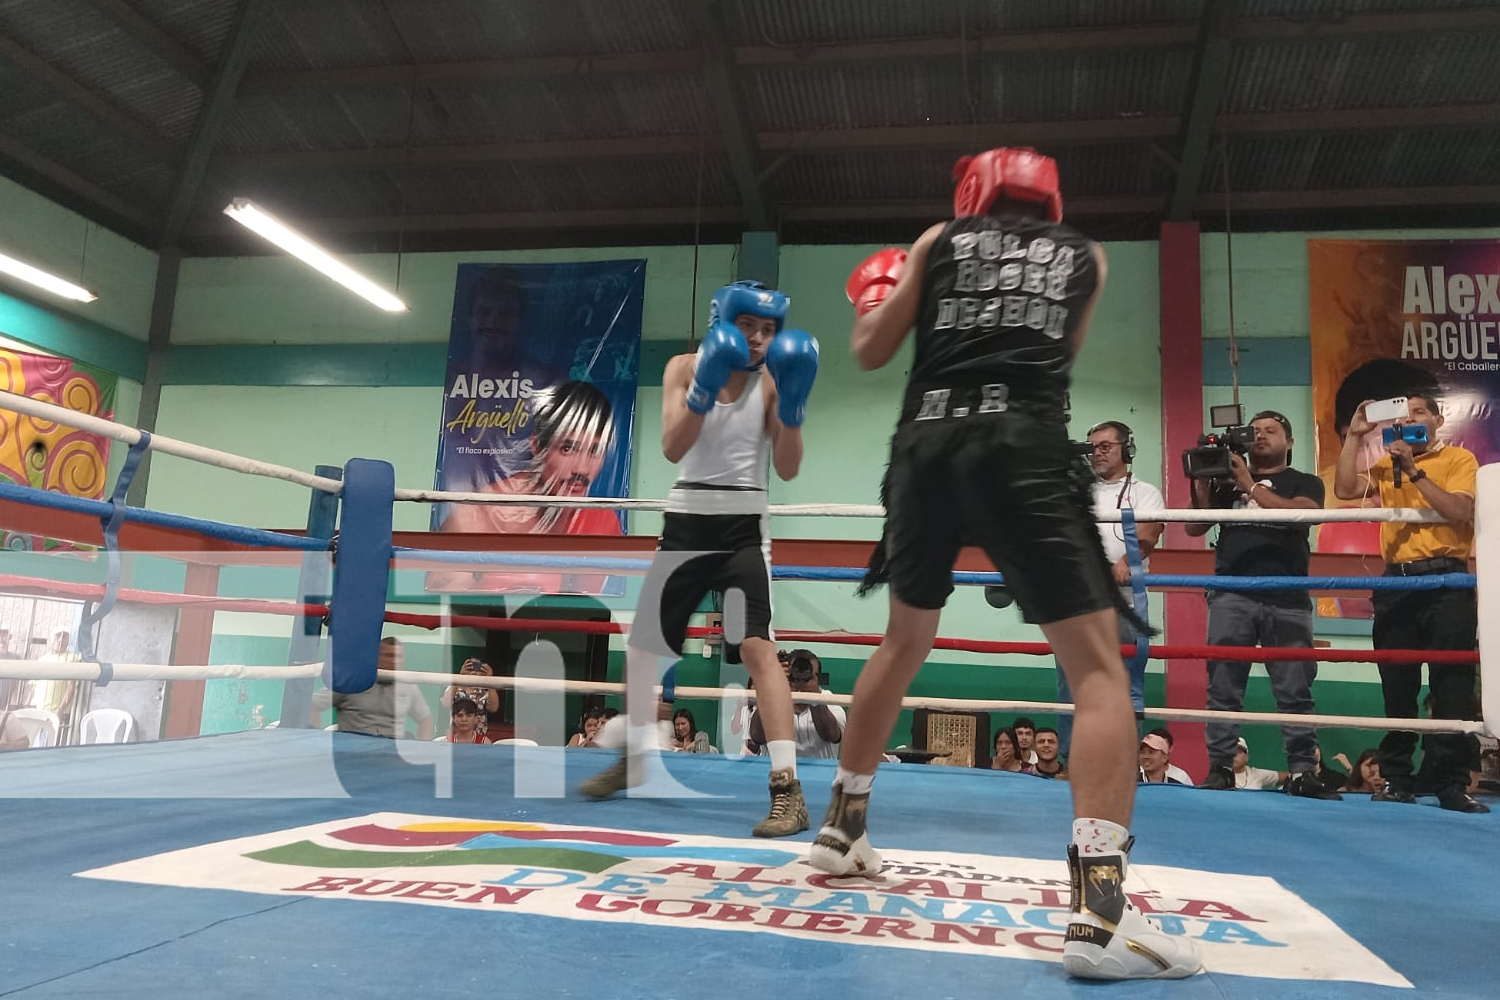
pixel 1210 459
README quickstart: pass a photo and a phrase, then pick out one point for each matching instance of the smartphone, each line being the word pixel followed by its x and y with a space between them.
pixel 1387 409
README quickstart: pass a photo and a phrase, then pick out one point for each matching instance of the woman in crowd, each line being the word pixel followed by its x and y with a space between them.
pixel 1007 753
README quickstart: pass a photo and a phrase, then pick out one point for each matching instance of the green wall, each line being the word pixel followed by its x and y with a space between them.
pixel 271 361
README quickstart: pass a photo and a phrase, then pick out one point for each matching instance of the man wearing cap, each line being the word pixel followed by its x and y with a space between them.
pixel 1261 480
pixel 1246 776
pixel 1156 760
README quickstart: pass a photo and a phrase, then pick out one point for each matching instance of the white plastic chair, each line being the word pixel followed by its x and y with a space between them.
pixel 40 726
pixel 106 725
pixel 516 742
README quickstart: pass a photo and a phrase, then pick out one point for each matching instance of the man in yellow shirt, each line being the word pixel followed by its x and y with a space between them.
pixel 1439 477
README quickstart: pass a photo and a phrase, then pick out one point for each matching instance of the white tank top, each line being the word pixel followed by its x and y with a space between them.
pixel 731 452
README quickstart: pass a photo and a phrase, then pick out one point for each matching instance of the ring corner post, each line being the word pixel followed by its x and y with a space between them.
pixel 361 575
pixel 1487 585
pixel 312 583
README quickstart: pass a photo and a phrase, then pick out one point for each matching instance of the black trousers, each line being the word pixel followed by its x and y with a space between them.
pixel 1426 619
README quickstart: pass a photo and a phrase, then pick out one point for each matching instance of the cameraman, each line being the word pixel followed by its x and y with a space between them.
pixel 820 728
pixel 1261 617
pixel 1439 477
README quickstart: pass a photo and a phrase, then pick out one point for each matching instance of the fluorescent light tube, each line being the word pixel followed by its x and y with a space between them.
pixel 41 279
pixel 263 223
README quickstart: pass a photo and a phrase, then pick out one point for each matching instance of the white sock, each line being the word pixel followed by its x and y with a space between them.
pixel 853 784
pixel 1098 836
pixel 783 755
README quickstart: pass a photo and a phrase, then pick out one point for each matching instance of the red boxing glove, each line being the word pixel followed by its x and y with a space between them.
pixel 873 280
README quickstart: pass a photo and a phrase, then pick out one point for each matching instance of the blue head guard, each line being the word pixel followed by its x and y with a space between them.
pixel 748 297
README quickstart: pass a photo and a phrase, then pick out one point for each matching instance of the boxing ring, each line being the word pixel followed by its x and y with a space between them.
pixel 231 865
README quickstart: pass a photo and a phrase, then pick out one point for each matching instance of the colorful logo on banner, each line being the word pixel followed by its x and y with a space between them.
pixel 539 398
pixel 1391 317
pixel 51 456
pixel 929 901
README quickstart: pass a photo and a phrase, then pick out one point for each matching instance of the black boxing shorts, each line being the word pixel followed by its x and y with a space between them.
pixel 1009 483
pixel 697 554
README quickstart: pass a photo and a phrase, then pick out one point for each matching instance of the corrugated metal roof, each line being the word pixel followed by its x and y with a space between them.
pixel 1337 64
pixel 201 25
pixel 1316 11
pixel 70 36
pixel 1375 72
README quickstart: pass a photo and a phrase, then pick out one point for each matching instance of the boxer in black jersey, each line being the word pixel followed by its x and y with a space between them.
pixel 1001 298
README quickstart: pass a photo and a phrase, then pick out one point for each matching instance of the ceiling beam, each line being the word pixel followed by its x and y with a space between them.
pixel 471 72
pixel 1132 38
pixel 1081 206
pixel 609 218
pixel 1344 198
pixel 397 158
pixel 149 35
pixel 1205 86
pixel 87 191
pixel 1420 118
pixel 88 100
pixel 1146 129
pixel 212 115
pixel 736 129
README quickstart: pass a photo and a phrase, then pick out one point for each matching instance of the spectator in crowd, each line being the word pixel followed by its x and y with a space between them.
pixel 1007 754
pixel 58 697
pixel 819 727
pixel 1331 777
pixel 1025 731
pixel 487 698
pixel 686 735
pixel 1364 776
pixel 588 728
pixel 1156 760
pixel 1246 776
pixel 381 709
pixel 1048 763
pixel 465 726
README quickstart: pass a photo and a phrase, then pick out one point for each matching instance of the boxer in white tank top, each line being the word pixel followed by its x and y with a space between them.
pixel 727 412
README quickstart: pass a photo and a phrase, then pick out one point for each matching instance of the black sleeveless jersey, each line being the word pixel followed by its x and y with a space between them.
pixel 1002 300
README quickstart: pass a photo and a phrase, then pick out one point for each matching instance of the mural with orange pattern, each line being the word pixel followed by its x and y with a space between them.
pixel 46 455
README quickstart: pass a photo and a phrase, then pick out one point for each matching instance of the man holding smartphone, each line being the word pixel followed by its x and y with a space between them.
pixel 1438 477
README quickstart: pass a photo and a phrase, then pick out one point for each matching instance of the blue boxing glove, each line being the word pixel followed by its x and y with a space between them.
pixel 722 353
pixel 792 360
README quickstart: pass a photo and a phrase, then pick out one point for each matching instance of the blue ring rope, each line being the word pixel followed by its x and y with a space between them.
pixel 212 529
pixel 853 574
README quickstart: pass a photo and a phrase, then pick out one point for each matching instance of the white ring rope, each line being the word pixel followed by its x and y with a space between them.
pixel 165 445
pixel 946 704
pixel 85 671
pixel 50 670
pixel 238 463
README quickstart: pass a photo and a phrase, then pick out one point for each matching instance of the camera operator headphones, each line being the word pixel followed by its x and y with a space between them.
pixel 1123 432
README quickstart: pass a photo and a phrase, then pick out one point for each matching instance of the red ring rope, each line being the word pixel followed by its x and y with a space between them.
pixel 1250 654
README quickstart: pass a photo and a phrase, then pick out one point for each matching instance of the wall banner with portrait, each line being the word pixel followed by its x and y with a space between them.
pixel 1393 317
pixel 46 455
pixel 539 398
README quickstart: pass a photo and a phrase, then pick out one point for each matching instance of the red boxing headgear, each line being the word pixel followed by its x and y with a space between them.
pixel 1021 174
